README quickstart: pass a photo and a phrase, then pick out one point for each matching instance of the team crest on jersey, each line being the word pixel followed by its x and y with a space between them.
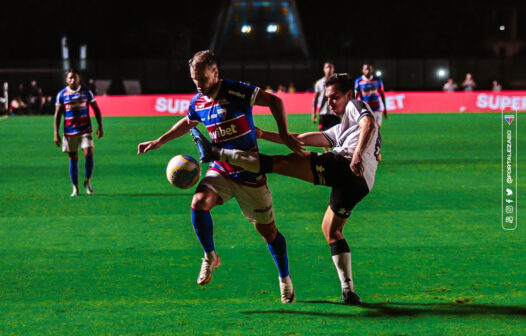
pixel 509 118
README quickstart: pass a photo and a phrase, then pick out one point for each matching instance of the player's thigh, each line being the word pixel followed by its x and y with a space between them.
pixel 87 144
pixel 294 165
pixel 70 144
pixel 378 117
pixel 255 203
pixel 214 189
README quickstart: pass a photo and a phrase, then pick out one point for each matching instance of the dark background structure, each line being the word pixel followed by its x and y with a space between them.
pixel 151 43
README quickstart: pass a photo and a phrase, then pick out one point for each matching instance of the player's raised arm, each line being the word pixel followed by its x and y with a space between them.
pixel 182 127
pixel 59 111
pixel 275 104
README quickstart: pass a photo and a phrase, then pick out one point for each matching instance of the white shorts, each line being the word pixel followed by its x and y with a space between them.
pixel 378 117
pixel 70 144
pixel 255 202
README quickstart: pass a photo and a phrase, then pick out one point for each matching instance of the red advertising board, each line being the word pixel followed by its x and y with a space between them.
pixel 397 102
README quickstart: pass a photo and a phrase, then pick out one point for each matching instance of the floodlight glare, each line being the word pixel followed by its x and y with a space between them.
pixel 378 73
pixel 502 28
pixel 441 73
pixel 246 29
pixel 272 28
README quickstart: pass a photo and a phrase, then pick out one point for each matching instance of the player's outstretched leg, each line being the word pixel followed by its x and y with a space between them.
pixel 341 257
pixel 74 175
pixel 207 152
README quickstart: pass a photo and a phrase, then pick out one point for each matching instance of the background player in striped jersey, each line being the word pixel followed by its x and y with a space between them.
pixel 327 117
pixel 73 102
pixel 370 89
pixel 349 169
pixel 225 108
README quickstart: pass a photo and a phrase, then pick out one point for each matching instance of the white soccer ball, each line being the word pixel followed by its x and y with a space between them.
pixel 183 171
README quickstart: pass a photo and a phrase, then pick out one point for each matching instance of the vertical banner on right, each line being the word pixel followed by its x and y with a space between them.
pixel 509 161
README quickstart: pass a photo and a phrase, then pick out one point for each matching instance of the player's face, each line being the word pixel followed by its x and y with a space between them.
pixel 367 70
pixel 205 78
pixel 328 69
pixel 73 80
pixel 337 99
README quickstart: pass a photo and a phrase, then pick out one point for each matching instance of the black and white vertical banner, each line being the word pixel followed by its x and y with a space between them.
pixel 509 167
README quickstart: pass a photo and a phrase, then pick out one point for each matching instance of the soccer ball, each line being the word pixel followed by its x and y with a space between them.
pixel 183 171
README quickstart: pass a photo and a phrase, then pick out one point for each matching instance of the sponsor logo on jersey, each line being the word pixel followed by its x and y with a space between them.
pixel 230 129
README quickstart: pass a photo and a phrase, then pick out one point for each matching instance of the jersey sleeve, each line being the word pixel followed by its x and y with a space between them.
pixel 90 96
pixel 59 100
pixel 191 113
pixel 356 85
pixel 242 93
pixel 332 134
pixel 360 109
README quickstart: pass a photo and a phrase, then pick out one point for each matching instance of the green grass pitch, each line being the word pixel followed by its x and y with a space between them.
pixel 429 254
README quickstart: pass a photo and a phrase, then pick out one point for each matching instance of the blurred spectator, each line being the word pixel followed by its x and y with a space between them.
pixel 21 93
pixel 469 84
pixel 496 86
pixel 47 105
pixel 17 106
pixel 268 89
pixel 450 86
pixel 92 86
pixel 292 88
pixel 34 97
pixel 282 88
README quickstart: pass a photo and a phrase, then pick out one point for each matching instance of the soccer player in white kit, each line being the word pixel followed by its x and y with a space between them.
pixel 349 168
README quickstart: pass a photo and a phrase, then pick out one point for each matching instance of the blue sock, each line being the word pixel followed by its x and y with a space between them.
pixel 278 250
pixel 204 228
pixel 74 171
pixel 88 166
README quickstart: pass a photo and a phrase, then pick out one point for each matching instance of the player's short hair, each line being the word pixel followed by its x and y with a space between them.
pixel 203 57
pixel 73 71
pixel 343 80
pixel 328 62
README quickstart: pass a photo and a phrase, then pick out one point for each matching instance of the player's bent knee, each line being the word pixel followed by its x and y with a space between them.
pixel 201 202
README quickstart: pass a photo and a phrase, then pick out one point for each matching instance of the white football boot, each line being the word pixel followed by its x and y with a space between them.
pixel 87 185
pixel 210 262
pixel 287 290
pixel 75 191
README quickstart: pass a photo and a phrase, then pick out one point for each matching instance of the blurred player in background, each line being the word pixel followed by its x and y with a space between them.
pixel 225 108
pixel 73 102
pixel 349 169
pixel 370 89
pixel 319 104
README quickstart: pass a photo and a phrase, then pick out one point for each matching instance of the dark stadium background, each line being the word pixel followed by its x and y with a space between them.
pixel 152 42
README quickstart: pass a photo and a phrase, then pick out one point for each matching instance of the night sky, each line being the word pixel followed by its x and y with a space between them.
pixel 116 29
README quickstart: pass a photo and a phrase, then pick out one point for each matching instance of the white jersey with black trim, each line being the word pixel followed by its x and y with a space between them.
pixel 344 138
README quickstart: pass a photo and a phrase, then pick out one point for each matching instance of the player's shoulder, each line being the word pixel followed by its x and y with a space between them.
pixel 357 105
pixel 194 99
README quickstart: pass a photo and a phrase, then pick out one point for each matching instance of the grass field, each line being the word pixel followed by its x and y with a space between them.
pixel 429 254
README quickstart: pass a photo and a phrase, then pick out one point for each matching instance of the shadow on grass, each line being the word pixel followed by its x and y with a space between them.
pixel 394 309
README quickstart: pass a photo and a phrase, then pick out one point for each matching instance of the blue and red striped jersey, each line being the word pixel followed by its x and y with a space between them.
pixel 369 89
pixel 228 118
pixel 76 106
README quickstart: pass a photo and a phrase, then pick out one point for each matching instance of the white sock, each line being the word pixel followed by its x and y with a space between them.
pixel 245 159
pixel 342 262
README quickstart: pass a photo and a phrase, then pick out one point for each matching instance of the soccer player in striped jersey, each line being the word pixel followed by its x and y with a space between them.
pixel 349 169
pixel 73 102
pixel 225 108
pixel 370 89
